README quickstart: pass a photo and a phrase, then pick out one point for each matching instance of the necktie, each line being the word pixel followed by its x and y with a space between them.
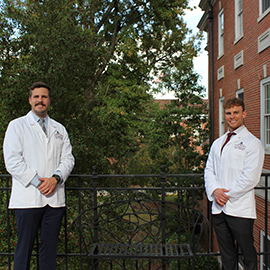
pixel 228 138
pixel 41 122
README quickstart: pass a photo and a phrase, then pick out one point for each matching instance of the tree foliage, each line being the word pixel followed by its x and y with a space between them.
pixel 100 57
pixel 183 124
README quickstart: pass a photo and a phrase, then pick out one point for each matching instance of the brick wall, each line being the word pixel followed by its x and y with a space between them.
pixel 251 72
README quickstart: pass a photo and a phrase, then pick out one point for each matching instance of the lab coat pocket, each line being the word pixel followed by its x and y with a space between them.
pixel 237 159
pixel 57 142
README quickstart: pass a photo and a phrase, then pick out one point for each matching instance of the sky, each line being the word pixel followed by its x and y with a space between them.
pixel 201 62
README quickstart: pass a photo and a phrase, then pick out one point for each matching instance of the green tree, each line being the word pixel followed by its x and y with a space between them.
pixel 182 125
pixel 178 133
pixel 99 57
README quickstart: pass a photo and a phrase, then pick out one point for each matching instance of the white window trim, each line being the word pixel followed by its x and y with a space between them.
pixel 220 34
pixel 264 41
pixel 238 21
pixel 221 117
pixel 263 139
pixel 239 91
pixel 262 14
pixel 239 59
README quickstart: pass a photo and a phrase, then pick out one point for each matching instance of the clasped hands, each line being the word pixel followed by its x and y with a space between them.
pixel 47 185
pixel 220 196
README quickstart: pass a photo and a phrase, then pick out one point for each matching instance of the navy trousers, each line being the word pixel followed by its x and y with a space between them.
pixel 231 231
pixel 29 221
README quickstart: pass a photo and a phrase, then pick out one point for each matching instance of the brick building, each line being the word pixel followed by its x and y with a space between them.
pixel 238 46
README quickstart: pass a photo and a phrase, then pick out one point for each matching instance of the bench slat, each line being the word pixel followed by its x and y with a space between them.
pixel 140 250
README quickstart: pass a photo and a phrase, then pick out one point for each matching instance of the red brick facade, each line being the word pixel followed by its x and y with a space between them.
pixel 255 67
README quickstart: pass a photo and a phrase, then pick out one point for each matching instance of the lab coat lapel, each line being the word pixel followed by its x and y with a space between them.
pixel 34 124
pixel 238 138
pixel 51 127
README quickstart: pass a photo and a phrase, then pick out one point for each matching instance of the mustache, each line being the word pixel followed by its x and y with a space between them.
pixel 40 103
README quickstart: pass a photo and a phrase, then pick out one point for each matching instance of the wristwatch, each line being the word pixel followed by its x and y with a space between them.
pixel 57 178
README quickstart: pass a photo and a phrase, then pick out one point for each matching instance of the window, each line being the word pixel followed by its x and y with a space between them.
pixel 221 117
pixel 240 94
pixel 220 33
pixel 265 113
pixel 265 247
pixel 264 8
pixel 238 19
pixel 265 5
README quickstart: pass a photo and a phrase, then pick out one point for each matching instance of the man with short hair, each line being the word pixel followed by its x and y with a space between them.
pixel 38 155
pixel 232 172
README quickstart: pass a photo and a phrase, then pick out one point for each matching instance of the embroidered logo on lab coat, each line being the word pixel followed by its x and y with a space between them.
pixel 58 136
pixel 240 146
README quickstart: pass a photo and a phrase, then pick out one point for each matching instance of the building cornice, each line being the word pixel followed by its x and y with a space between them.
pixel 203 23
pixel 205 5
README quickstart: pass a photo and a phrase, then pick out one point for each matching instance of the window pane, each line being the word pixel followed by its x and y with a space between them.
pixel 265 111
pixel 221 33
pixel 266 5
pixel 222 21
pixel 267 106
pixel 267 98
pixel 239 18
pixel 267 130
pixel 241 96
pixel 240 6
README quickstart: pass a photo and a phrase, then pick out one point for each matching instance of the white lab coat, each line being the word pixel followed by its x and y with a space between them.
pixel 238 169
pixel 27 152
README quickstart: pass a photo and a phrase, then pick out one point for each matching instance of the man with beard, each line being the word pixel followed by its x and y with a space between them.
pixel 38 155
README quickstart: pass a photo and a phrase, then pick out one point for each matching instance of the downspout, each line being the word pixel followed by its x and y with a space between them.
pixel 211 42
pixel 211 94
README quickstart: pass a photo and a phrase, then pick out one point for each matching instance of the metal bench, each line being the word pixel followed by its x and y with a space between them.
pixel 132 225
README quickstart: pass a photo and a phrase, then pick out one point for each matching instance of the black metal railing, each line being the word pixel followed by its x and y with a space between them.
pixel 86 191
